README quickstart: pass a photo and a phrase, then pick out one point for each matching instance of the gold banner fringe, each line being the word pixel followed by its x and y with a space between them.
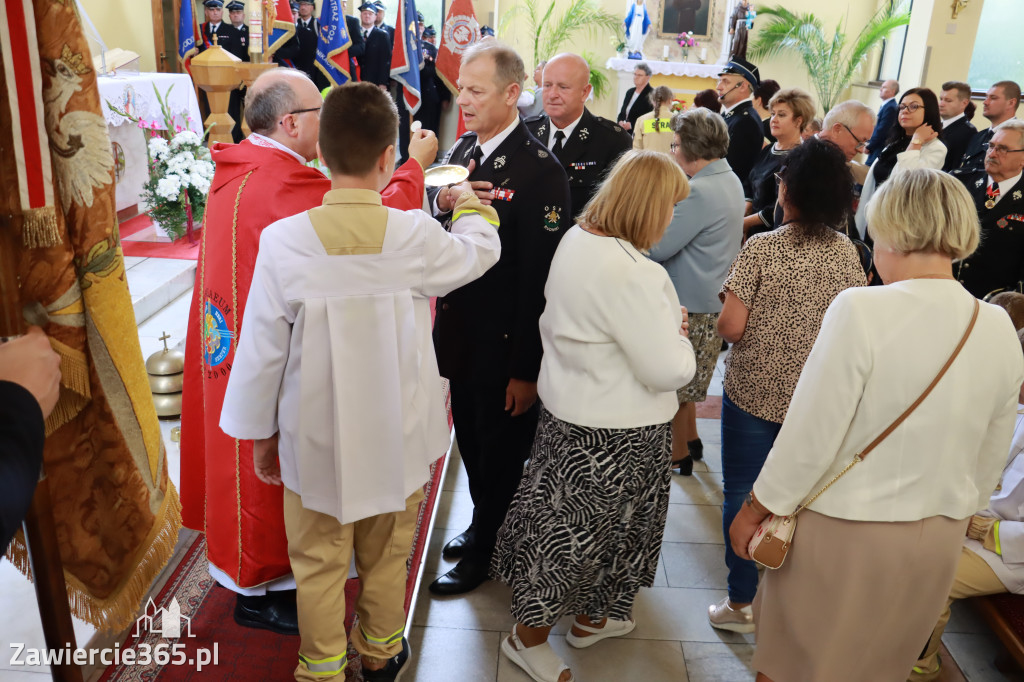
pixel 118 613
pixel 74 369
pixel 69 404
pixel 40 228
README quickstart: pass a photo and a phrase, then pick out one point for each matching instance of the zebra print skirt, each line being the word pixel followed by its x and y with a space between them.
pixel 584 531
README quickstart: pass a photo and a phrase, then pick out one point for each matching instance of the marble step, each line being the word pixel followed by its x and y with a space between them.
pixel 155 282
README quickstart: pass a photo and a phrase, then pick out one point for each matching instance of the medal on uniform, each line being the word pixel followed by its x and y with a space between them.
pixel 503 194
pixel 581 165
pixel 992 193
pixel 1002 223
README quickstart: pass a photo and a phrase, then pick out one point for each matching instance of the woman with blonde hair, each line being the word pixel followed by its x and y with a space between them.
pixel 653 130
pixel 791 111
pixel 874 556
pixel 597 485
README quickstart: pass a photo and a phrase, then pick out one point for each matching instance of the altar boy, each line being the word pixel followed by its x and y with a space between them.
pixel 335 380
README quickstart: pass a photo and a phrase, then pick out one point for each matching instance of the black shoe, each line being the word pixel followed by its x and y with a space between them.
pixel 467 575
pixel 457 546
pixel 696 449
pixel 274 611
pixel 394 668
pixel 685 466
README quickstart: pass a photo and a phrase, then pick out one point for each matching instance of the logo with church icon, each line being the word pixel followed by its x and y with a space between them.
pixel 165 621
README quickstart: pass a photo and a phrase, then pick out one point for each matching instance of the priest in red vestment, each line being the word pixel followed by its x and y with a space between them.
pixel 257 182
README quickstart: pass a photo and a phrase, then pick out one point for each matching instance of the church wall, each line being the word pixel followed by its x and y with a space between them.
pixel 128 25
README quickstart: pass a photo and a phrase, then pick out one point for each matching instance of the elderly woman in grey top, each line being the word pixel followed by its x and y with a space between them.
pixel 697 249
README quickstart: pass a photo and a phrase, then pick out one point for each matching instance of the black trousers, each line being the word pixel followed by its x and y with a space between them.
pixel 21 456
pixel 494 448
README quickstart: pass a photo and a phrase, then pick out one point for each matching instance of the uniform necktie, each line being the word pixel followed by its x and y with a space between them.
pixel 993 194
pixel 478 156
pixel 557 149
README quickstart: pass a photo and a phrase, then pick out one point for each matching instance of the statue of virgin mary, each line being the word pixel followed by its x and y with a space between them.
pixel 638 25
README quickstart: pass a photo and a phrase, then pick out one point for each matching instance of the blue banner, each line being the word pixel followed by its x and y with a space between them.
pixel 407 56
pixel 186 31
pixel 332 44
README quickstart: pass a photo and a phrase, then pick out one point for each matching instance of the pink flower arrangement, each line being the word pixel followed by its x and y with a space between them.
pixel 686 40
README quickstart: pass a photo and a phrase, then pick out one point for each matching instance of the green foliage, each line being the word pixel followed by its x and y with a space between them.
pixel 548 33
pixel 830 63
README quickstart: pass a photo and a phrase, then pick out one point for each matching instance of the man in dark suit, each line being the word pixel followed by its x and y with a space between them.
pixel 227 36
pixel 375 65
pixel 886 116
pixel 637 101
pixel 1000 105
pixel 435 93
pixel 957 110
pixel 736 85
pixel 486 333
pixel 998 193
pixel 307 33
pixel 378 21
pixel 586 145
pixel 29 388
pixel 239 48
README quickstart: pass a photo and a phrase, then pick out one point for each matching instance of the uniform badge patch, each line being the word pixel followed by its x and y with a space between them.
pixel 499 162
pixel 584 134
pixel 552 218
pixel 1017 195
pixel 542 154
pixel 543 127
pixel 1002 222
pixel 979 182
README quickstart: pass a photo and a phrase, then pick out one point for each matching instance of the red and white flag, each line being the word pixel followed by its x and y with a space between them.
pixel 460 30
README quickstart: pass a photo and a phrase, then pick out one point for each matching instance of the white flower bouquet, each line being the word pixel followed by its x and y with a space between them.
pixel 180 171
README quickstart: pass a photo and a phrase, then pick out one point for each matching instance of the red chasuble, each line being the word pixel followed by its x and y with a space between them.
pixel 253 186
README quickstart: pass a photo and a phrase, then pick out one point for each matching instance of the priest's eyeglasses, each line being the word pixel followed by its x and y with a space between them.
pixel 301 111
pixel 1000 149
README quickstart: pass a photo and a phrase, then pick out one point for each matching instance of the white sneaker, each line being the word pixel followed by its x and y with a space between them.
pixel 723 617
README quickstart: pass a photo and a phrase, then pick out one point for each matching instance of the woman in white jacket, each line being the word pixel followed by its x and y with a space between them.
pixel 913 143
pixel 874 556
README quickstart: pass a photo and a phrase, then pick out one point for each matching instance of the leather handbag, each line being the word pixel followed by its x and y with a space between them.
pixel 774 535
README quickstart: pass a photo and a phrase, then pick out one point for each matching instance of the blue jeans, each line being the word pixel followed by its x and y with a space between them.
pixel 746 441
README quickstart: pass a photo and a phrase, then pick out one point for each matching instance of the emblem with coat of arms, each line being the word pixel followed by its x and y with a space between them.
pixel 461 31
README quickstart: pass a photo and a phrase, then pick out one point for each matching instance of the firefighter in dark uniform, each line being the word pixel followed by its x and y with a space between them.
pixel 998 192
pixel 736 84
pixel 307 30
pixel 486 333
pixel 435 92
pixel 586 145
pixel 239 48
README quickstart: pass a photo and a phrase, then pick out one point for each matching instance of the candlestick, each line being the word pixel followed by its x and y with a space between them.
pixel 703 54
pixel 664 53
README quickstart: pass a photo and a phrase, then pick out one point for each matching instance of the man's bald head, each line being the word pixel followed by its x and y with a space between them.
pixel 889 89
pixel 566 86
pixel 272 95
pixel 284 105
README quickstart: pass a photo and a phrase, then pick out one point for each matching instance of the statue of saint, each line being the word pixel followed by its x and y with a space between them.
pixel 638 25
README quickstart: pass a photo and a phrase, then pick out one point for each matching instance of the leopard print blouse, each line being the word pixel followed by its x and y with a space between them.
pixel 787 280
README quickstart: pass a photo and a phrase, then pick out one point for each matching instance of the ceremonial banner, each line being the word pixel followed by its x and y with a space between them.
pixel 116 513
pixel 283 28
pixel 460 31
pixel 407 54
pixel 187 32
pixel 332 44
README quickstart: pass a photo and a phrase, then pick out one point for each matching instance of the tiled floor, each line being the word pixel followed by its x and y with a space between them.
pixel 457 639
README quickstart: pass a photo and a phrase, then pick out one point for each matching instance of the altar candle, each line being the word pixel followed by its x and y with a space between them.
pixel 255 12
pixel 664 53
pixel 703 54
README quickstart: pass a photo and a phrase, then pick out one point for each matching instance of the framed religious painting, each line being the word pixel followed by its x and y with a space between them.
pixel 681 16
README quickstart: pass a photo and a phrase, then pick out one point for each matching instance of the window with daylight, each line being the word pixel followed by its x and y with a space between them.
pixel 997 56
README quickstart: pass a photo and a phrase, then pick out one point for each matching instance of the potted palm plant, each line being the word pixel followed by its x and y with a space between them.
pixel 549 33
pixel 830 61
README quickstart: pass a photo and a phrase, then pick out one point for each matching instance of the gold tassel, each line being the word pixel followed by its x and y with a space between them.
pixel 40 230
pixel 74 369
pixel 119 612
pixel 69 404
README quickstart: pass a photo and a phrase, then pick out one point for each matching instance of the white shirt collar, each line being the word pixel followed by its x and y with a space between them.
pixel 492 144
pixel 264 141
pixel 1005 185
pixel 567 130
pixel 728 109
pixel 950 121
pixel 214 27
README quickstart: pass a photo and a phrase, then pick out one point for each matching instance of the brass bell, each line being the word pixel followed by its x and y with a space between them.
pixel 166 378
